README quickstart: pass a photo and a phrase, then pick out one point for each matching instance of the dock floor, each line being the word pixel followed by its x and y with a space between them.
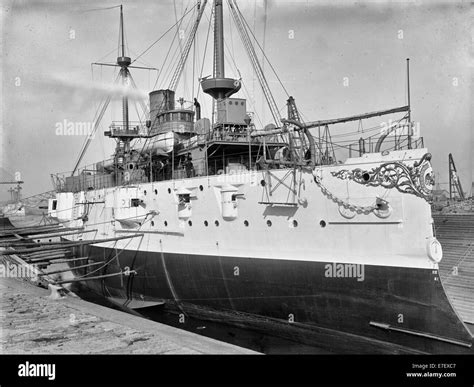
pixel 33 323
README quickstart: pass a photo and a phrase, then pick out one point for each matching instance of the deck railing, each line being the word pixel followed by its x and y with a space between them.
pixel 101 175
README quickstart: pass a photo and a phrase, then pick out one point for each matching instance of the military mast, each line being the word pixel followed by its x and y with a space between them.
pixel 219 87
pixel 123 133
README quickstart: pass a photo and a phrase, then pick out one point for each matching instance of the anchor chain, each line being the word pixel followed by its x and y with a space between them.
pixel 366 210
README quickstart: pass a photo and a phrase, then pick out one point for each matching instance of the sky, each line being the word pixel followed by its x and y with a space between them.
pixel 336 58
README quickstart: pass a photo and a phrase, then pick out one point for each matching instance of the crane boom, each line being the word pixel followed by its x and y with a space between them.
pixel 454 182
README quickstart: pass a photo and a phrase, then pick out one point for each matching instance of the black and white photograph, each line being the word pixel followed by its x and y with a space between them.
pixel 237 177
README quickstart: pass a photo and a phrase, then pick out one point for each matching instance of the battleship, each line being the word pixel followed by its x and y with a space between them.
pixel 262 226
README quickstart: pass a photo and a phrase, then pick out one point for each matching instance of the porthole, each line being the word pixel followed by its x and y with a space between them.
pixel 206 223
pixel 246 223
pixel 190 223
pixel 322 223
pixel 216 223
pixel 269 223
pixel 166 223
pixel 201 188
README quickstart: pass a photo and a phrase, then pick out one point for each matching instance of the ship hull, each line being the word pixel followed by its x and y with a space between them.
pixel 275 245
pixel 403 306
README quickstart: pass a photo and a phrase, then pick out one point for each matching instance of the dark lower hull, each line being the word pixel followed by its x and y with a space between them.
pixel 390 309
pixel 5 223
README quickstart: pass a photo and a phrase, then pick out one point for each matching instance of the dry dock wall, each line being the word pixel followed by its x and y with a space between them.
pixel 455 232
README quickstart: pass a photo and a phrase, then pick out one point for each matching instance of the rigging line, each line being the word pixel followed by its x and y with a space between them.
pixel 401 119
pixel 231 52
pixel 174 61
pixel 159 73
pixel 133 53
pixel 263 52
pixel 98 9
pixel 93 120
pixel 92 134
pixel 147 141
pixel 168 30
pixel 231 63
pixel 256 65
pixel 371 129
pixel 113 258
pixel 345 134
pixel 254 29
pixel 140 101
pixel 194 59
pixel 182 64
pixel 119 36
pixel 205 49
pixel 238 19
pixel 180 43
pixel 125 39
pixel 252 104
pixel 231 43
pixel 176 18
pixel 264 34
pixel 105 56
pixel 164 61
pixel 138 116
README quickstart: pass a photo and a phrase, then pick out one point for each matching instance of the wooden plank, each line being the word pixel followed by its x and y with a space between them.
pixel 72 244
pixel 72 268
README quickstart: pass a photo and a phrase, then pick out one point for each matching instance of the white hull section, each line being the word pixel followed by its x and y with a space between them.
pixel 236 216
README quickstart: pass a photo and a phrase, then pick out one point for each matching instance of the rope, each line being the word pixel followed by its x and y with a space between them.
pixel 99 9
pixel 205 50
pixel 166 32
pixel 264 55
